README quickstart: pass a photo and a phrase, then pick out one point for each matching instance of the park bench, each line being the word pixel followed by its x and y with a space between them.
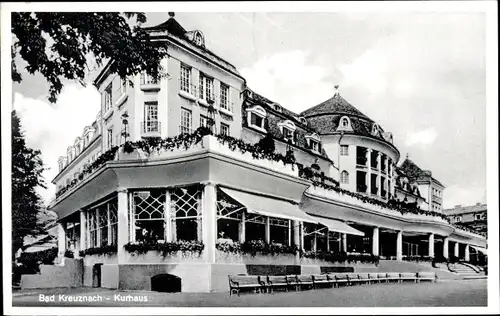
pixel 373 277
pixel 354 278
pixel 340 278
pixel 364 278
pixel 408 276
pixel 426 276
pixel 245 282
pixel 382 277
pixel 306 281
pixel 280 282
pixel 320 280
pixel 393 277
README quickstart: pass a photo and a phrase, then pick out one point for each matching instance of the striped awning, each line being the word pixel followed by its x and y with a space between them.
pixel 481 249
pixel 338 226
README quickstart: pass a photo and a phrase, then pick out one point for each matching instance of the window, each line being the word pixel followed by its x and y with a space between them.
pixel 279 231
pixel 345 122
pixel 186 213
pixel 186 78
pixel 314 145
pixel 108 97
pixel 93 229
pixel 458 218
pixel 255 117
pixel 102 214
pixel 147 79
pixel 151 117
pixel 224 96
pixel 110 138
pixel 204 122
pixel 123 86
pixel 224 129
pixel 149 215
pixel 206 87
pixel 344 150
pixel 477 217
pixel 186 121
pixel 344 177
pixel 198 39
pixel 113 222
pixel 287 134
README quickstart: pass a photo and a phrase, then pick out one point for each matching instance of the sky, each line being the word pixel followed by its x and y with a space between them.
pixel 420 76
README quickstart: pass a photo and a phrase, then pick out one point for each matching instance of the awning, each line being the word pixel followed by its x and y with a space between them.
pixel 480 249
pixel 338 226
pixel 267 206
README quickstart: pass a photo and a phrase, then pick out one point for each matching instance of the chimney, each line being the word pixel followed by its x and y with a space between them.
pixel 336 90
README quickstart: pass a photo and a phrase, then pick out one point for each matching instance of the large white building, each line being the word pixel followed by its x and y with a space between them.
pixel 172 201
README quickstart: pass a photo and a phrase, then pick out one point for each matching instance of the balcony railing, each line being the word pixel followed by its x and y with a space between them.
pixel 150 128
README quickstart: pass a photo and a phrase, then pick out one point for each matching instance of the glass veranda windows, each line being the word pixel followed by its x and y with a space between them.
pixel 186 213
pixel 149 215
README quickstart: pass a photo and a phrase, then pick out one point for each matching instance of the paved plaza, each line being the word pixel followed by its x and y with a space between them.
pixel 445 293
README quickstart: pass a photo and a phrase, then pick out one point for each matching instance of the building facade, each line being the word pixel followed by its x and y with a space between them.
pixel 472 216
pixel 196 176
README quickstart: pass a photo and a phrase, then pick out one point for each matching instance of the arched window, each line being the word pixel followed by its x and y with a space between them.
pixel 345 122
pixel 287 128
pixel 344 177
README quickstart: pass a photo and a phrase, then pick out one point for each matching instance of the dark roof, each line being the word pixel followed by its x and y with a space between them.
pixel 171 25
pixel 335 105
pixel 412 170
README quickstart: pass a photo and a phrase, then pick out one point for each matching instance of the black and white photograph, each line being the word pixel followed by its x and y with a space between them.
pixel 278 157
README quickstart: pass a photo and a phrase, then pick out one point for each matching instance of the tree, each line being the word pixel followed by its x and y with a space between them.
pixel 76 37
pixel 27 168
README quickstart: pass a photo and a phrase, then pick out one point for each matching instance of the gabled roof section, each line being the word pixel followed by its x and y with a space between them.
pixel 412 170
pixel 335 105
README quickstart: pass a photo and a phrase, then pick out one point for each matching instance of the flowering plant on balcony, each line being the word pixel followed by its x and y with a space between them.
pixel 254 247
pixel 107 250
pixel 166 248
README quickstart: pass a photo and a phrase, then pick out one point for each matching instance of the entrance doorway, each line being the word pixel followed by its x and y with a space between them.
pixel 96 275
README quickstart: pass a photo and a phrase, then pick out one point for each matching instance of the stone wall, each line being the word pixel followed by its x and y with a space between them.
pixel 53 276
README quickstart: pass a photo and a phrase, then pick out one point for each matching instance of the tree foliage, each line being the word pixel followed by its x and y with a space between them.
pixel 27 168
pixel 58 45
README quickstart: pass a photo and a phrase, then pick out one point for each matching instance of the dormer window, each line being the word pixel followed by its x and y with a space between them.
pixel 256 118
pixel 375 129
pixel 277 107
pixel 303 120
pixel 314 143
pixel 198 39
pixel 344 124
pixel 287 129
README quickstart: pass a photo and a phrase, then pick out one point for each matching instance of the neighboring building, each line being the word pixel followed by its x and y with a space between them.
pixel 341 195
pixel 429 188
pixel 473 216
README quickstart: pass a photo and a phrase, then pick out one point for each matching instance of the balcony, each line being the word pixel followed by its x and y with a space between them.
pixel 151 129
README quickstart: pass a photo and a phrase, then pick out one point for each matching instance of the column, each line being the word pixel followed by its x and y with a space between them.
pixel 83 232
pixel 327 241
pixel 369 171
pixel 455 252
pixel 445 247
pixel 344 242
pixel 375 242
pixel 289 232
pixel 209 220
pixel 242 229
pixel 168 217
pixel 467 253
pixel 123 227
pixel 296 233
pixel 267 235
pixel 431 245
pixel 61 241
pixel 379 161
pixel 399 246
